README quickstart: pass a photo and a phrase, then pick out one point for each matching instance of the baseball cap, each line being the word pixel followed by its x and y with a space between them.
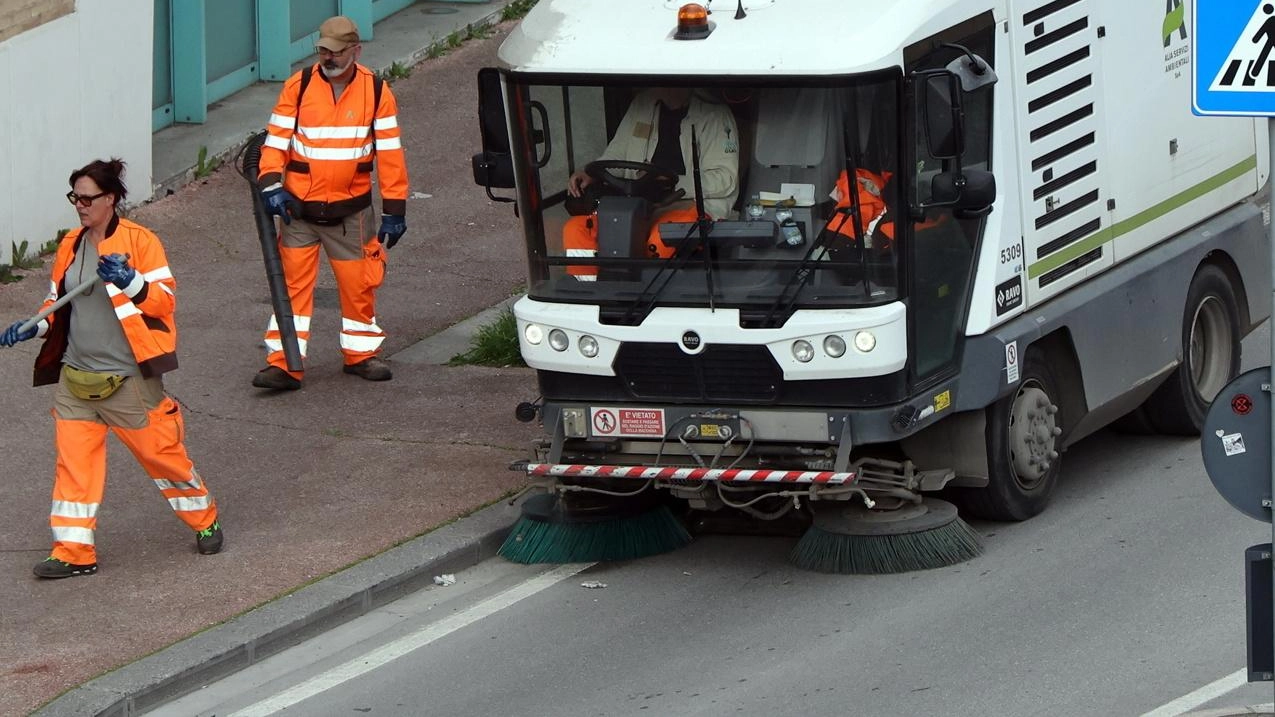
pixel 338 33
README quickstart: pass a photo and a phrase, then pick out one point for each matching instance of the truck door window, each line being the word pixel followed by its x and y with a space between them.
pixel 944 242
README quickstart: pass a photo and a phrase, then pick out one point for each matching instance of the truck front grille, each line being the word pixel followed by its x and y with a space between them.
pixel 725 373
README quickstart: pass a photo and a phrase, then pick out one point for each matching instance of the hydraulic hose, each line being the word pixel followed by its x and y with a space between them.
pixel 250 158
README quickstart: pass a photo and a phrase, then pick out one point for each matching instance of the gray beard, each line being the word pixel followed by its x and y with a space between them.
pixel 335 73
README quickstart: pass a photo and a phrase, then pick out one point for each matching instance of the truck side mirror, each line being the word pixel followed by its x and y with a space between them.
pixel 944 118
pixel 494 166
pixel 969 193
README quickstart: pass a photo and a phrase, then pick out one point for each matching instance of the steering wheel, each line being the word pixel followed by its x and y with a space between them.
pixel 653 184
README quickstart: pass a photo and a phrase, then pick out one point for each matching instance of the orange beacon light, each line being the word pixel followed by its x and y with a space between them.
pixel 692 22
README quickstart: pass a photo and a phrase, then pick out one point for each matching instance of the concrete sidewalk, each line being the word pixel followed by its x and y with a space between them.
pixel 335 498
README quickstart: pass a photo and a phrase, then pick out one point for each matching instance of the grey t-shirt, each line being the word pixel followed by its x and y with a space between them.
pixel 97 340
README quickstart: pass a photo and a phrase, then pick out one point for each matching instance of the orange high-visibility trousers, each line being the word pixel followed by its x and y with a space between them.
pixel 358 265
pixel 80 477
pixel 580 239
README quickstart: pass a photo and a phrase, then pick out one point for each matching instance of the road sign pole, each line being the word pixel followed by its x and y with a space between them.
pixel 1270 236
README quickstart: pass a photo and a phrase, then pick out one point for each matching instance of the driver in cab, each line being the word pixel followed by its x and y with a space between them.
pixel 656 130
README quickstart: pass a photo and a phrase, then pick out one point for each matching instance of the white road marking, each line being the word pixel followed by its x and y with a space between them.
pixel 394 650
pixel 1211 691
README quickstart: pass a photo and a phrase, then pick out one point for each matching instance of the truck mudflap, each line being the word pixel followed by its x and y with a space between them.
pixel 672 473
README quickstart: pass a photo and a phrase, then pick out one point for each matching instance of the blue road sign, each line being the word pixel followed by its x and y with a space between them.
pixel 1233 45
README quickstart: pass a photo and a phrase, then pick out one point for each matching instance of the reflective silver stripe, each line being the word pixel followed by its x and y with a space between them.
pixel 585 253
pixel 277 142
pixel 126 310
pixel 71 509
pixel 331 153
pixel 281 121
pixel 384 123
pixel 352 325
pixel 586 277
pixel 185 504
pixel 300 323
pixel 192 484
pixel 135 286
pixel 361 343
pixel 162 272
pixel 385 145
pixel 53 292
pixel 165 288
pixel 67 534
pixel 334 132
pixel 277 345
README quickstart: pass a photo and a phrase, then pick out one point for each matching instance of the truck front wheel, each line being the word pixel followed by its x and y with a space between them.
pixel 1024 433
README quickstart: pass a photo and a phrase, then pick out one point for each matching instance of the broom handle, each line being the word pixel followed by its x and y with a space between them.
pixel 31 322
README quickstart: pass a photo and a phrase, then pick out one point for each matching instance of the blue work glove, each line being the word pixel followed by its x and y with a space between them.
pixel 115 269
pixel 12 336
pixel 392 228
pixel 280 203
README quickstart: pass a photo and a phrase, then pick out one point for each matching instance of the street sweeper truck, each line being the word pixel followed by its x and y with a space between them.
pixel 855 265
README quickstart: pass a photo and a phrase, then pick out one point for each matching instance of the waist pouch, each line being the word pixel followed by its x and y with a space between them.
pixel 91 385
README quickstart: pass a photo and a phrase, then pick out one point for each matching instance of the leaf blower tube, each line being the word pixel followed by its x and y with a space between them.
pixel 250 157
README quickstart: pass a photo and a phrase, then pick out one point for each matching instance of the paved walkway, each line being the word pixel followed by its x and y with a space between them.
pixel 341 473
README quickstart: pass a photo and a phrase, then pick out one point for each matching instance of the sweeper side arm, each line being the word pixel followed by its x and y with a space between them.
pixel 268 235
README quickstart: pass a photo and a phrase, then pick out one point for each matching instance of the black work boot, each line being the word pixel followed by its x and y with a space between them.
pixel 51 568
pixel 208 541
pixel 372 369
pixel 276 378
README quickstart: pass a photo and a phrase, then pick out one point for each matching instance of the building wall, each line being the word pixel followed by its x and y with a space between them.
pixel 74 86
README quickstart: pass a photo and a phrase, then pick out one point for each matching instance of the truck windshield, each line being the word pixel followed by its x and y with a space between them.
pixel 762 197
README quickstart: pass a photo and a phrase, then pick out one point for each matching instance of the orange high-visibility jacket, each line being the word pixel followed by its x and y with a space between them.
pixel 144 308
pixel 326 162
pixel 871 188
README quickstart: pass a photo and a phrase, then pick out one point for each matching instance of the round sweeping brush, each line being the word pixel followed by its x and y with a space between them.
pixel 582 528
pixel 851 539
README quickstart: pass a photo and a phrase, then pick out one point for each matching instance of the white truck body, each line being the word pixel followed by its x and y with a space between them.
pixel 1115 212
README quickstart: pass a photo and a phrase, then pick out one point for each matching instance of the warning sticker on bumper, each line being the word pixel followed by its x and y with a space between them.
pixel 608 422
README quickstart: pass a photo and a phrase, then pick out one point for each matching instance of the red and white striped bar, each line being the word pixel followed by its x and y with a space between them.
pixel 726 475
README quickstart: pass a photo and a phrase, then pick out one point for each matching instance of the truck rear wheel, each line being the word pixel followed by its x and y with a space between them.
pixel 1023 445
pixel 1210 356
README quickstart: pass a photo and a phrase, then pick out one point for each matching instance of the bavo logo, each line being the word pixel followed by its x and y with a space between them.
pixel 1009 295
pixel 1177 51
pixel 691 342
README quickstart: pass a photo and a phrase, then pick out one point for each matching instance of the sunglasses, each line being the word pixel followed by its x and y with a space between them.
pixel 84 200
pixel 325 52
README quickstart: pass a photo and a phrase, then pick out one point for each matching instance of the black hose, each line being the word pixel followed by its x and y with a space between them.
pixel 250 158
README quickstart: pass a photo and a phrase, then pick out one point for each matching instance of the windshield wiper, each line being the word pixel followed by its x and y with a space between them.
pixel 850 135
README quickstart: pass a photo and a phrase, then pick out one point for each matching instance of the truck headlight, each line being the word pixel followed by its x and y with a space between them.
pixel 865 341
pixel 834 346
pixel 802 350
pixel 558 340
pixel 588 346
pixel 533 334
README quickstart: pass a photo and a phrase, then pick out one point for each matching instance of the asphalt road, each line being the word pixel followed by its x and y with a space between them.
pixel 1123 597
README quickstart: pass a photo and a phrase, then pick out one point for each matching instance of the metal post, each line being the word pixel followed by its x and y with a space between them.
pixel 1270 236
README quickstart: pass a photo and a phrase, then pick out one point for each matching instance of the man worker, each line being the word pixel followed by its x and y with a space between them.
pixel 332 122
pixel 656 130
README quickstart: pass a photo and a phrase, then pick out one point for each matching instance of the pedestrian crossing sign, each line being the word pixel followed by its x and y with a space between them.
pixel 1233 45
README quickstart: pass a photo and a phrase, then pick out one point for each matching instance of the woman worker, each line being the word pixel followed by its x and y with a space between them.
pixel 107 350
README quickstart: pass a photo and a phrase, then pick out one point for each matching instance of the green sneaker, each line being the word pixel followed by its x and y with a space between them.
pixel 51 568
pixel 208 541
